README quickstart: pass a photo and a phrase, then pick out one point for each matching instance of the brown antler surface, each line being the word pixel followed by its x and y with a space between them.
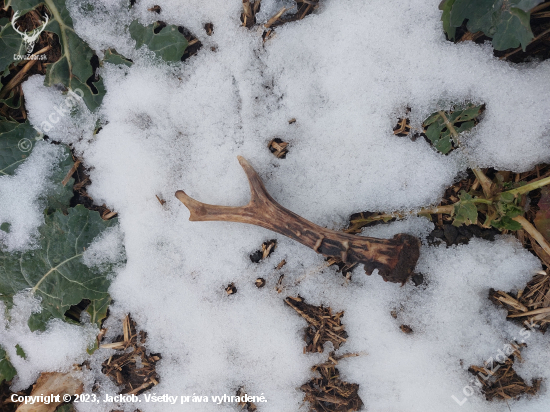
pixel 394 258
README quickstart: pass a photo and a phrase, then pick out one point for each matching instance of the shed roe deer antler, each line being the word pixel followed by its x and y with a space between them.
pixel 394 258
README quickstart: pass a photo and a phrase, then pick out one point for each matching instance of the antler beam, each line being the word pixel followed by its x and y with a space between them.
pixel 394 258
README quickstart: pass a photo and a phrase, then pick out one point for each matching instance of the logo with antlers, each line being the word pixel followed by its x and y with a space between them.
pixel 31 37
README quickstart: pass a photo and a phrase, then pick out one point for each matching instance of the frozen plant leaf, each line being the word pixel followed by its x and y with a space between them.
pixel 7 371
pixel 16 143
pixel 38 321
pixel 74 68
pixel 111 56
pixel 442 128
pixel 60 196
pixel 56 272
pixel 465 210
pixel 167 43
pixel 507 22
pixel 446 6
pixel 542 218
pixel 98 310
pixel 20 352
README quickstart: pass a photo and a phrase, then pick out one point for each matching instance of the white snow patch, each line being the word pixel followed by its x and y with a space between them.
pixel 346 73
pixel 22 197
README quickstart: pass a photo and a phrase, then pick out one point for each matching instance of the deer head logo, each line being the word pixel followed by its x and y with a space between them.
pixel 31 37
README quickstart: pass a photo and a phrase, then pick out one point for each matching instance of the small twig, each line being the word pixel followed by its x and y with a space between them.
pixel 276 17
pixel 248 14
pixel 70 173
pixel 18 78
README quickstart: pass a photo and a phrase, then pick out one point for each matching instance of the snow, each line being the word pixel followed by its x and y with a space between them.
pixel 55 350
pixel 23 197
pixel 346 74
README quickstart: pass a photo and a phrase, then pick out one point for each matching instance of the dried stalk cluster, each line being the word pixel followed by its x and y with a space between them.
pixel 132 369
pixel 322 327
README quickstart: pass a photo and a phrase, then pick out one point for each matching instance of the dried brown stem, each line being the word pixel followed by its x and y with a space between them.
pixel 20 76
pixel 394 258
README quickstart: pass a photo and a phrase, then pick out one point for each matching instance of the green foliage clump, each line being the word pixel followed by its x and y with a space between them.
pixel 443 128
pixel 507 22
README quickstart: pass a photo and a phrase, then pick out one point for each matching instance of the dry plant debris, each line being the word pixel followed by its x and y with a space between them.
pixel 209 29
pixel 260 283
pixel 406 329
pixel 231 289
pixel 328 393
pixel 247 406
pixel 322 327
pixel 131 368
pixel 501 381
pixel 248 16
pixel 531 304
pixel 303 9
pixel 81 196
pixel 278 147
pixel 267 249
pixel 343 267
pixel 52 383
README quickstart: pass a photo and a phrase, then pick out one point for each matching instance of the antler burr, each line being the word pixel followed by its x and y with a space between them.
pixel 394 258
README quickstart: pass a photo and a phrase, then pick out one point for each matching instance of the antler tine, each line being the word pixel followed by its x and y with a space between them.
pixel 394 258
pixel 257 188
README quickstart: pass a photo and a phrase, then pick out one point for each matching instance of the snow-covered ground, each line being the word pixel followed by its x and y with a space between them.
pixel 345 73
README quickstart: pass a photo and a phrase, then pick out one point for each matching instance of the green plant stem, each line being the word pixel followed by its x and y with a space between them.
pixel 529 187
pixel 535 234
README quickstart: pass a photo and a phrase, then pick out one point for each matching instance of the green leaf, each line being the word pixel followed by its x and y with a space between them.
pixel 465 210
pixel 23 6
pixel 168 44
pixel 506 21
pixel 460 118
pixel 444 145
pixel 98 310
pixel 61 196
pixel 38 321
pixel 11 43
pixel 20 352
pixel 507 197
pixel 507 223
pixel 16 143
pixel 73 68
pixel 7 371
pixel 542 218
pixel 111 56
pixel 446 6
pixel 56 272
